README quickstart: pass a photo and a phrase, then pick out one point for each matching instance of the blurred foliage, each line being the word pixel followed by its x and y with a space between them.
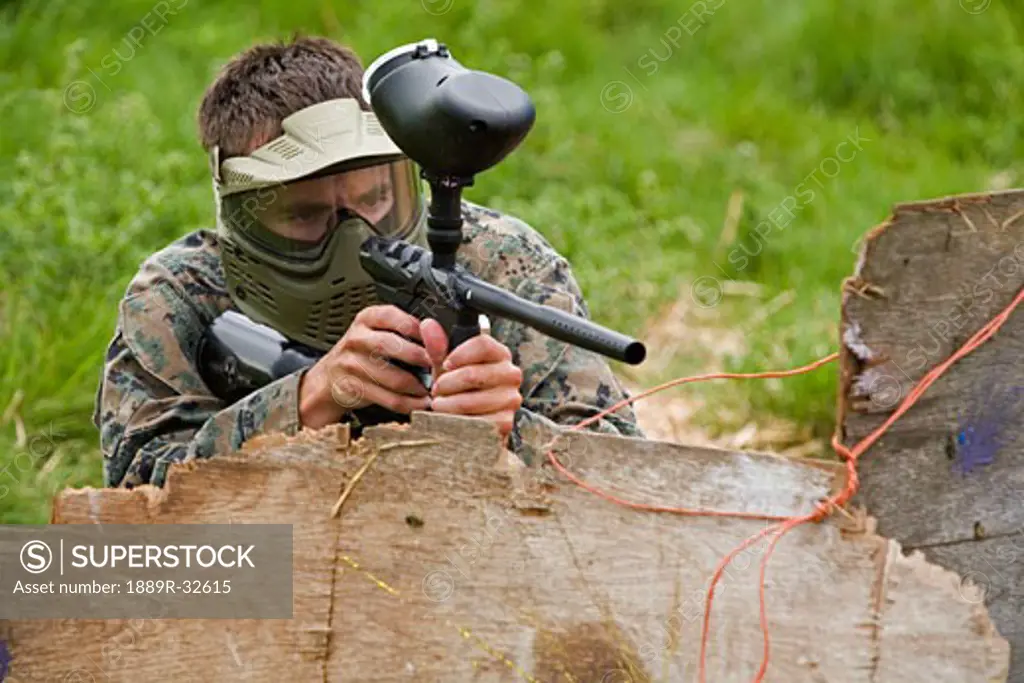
pixel 101 165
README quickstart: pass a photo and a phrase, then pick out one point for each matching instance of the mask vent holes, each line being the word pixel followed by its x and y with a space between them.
pixel 247 284
pixel 315 319
pixel 345 306
pixel 236 178
pixel 261 292
pixel 285 147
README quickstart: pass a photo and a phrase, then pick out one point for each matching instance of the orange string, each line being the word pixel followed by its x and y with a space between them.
pixel 786 524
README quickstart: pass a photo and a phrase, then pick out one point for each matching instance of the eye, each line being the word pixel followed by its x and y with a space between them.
pixel 308 215
pixel 376 196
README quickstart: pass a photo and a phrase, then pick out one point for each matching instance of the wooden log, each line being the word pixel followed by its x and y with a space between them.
pixel 948 477
pixel 450 562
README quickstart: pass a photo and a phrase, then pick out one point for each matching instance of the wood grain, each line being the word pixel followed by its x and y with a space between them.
pixel 928 279
pixel 448 562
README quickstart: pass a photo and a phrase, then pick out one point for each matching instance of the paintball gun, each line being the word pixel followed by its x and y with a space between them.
pixel 453 123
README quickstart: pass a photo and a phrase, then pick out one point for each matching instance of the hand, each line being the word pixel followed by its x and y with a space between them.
pixel 356 373
pixel 478 378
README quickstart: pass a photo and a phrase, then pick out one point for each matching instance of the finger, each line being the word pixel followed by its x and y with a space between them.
pixel 478 377
pixel 391 318
pixel 479 402
pixel 399 403
pixel 435 340
pixel 379 347
pixel 347 391
pixel 477 350
pixel 393 379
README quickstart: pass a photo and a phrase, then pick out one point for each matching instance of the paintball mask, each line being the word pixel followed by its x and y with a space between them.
pixel 292 215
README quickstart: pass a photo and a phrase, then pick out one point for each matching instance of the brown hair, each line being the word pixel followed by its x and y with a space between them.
pixel 243 108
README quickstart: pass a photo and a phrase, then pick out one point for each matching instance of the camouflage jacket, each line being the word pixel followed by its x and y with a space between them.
pixel 153 409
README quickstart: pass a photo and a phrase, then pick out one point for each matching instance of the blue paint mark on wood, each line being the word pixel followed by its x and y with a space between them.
pixel 5 660
pixel 993 426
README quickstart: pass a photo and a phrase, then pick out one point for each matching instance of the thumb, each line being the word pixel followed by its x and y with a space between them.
pixel 435 341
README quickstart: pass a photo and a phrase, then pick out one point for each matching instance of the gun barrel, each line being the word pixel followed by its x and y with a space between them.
pixel 552 321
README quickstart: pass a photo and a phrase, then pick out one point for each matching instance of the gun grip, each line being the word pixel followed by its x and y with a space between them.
pixel 465 328
pixel 420 373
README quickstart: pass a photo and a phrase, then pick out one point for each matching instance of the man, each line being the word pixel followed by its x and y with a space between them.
pixel 302 174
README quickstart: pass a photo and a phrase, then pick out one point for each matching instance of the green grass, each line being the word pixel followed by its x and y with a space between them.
pixel 754 101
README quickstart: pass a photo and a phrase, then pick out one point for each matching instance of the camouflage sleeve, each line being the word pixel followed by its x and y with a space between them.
pixel 562 384
pixel 153 408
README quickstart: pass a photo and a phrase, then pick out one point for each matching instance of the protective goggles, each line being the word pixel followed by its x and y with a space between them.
pixel 333 168
pixel 299 219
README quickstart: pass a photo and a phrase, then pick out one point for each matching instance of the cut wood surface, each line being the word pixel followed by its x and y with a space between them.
pixel 448 562
pixel 948 476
